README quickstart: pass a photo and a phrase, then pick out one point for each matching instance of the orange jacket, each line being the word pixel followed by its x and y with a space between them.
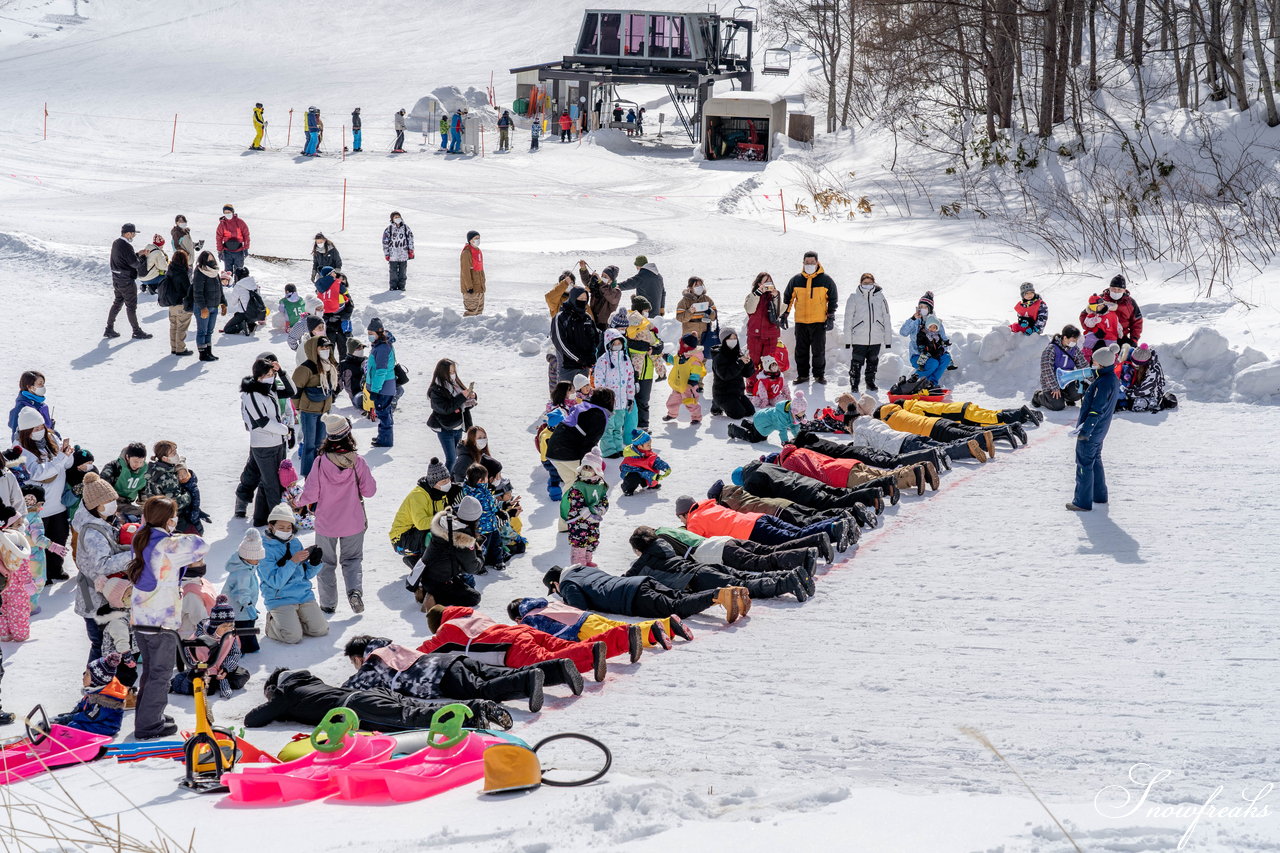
pixel 711 519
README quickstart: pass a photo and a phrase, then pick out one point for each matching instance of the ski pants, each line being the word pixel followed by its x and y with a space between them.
pixel 126 295
pixel 533 646
pixel 454 593
pixel 655 601
pixel 455 142
pixel 644 387
pixel 313 143
pixel 345 551
pixel 289 623
pixel 356 137
pixel 769 530
pixel 468 678
pixel 231 261
pixel 811 348
pixel 383 407
pixel 934 368
pixel 399 140
pixel 1091 479
pixel 257 135
pixel 159 648
pixel 597 628
pixel 1070 395
pixel 399 274
pixel 746 561
pixel 863 358
pixel 261 474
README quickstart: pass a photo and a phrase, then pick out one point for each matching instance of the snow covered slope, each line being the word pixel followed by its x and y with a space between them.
pixel 1080 645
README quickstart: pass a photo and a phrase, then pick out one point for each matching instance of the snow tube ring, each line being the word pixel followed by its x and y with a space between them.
pixel 574 783
pixel 335 726
pixel 447 722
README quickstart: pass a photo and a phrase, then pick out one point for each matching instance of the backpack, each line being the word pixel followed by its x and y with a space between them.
pixel 906 386
pixel 255 310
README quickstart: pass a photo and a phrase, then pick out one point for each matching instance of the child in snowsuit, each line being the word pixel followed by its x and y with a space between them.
pixel 569 623
pixel 191 519
pixel 933 359
pixel 198 597
pixel 768 387
pixel 224 673
pixel 1141 384
pixel 291 486
pixel 583 507
pixel 1032 311
pixel 291 307
pixel 1101 327
pixel 477 486
pixel 15 571
pixel 351 371
pixel 101 709
pixel 113 620
pixel 286 573
pixel 783 418
pixel 241 588
pixel 563 398
pixel 34 496
pixel 685 378
pixel 614 370
pixel 641 467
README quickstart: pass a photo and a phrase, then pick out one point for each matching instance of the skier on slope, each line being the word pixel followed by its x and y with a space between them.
pixel 259 127
pixel 356 135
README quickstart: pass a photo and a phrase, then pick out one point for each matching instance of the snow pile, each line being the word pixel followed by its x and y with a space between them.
pixel 22 252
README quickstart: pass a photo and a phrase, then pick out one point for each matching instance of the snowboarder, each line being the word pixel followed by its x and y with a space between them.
pixel 398 148
pixel 355 137
pixel 471 265
pixel 232 238
pixel 397 248
pixel 811 293
pixel 1096 408
pixel 126 264
pixel 259 126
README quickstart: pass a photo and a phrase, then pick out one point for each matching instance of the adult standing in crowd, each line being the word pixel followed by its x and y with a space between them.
pixel 268 433
pixel 1096 409
pixel 338 486
pixel 159 558
pixel 47 457
pixel 380 379
pixel 324 254
pixel 575 336
pixel 126 265
pixel 232 239
pixel 580 431
pixel 471 264
pixel 604 292
pixel 356 134
pixel 397 248
pixel 99 553
pixel 182 239
pixel 174 294
pixel 206 300
pixel 648 283
pixel 867 328
pixel 451 404
pixel 811 293
pixel 316 381
pixel 765 318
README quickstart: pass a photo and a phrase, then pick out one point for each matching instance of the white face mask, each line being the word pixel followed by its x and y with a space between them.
pixel 109 509
pixel 319 244
pixel 616 346
pixel 324 353
pixel 228 215
pixel 1117 295
pixel 39 390
pixel 396 221
pixel 37 434
pixel 173 460
pixel 699 289
pixel 171 524
pixel 482 443
pixel 866 287
pixel 182 226
pixel 811 268
pixel 284 535
pixel 475 241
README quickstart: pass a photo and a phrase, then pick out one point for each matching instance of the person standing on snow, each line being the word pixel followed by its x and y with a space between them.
pixel 867 327
pixel 455 132
pixel 812 294
pixel 1096 408
pixel 259 126
pixel 312 127
pixel 504 131
pixel 206 300
pixel 380 379
pixel 126 264
pixel 471 263
pixel 566 127
pixel 261 411
pixel 324 254
pixel 397 248
pixel 398 148
pixel 232 239
pixel 355 134
pixel 648 283
pixel 182 239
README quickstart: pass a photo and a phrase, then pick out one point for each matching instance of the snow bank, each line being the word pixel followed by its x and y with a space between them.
pixel 19 252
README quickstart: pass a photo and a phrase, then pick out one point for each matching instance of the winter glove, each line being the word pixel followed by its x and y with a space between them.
pixel 222 309
pixel 284 559
pixel 204 313
pixel 831 323
pixel 315 557
pixel 60 550
pixel 388 257
pixel 411 256
pixel 1126 342
pixel 199 245
pixel 293 438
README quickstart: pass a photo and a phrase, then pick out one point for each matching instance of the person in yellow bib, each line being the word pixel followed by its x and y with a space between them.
pixel 259 127
pixel 811 293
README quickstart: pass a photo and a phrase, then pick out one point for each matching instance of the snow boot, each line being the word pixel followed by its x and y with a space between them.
pixel 1075 508
pixel 795 584
pixel 991 444
pixel 635 642
pixel 206 354
pixel 356 600
pixel 1019 432
pixel 600 666
pixel 110 333
pixel 1034 416
pixel 1035 400
pixel 727 598
pixel 536 682
pixel 810 566
pixel 827 551
pixel 679 629
pixel 931 475
pixel 658 636
pixel 1006 433
pixel 139 335
pixel 804 582
pixel 976 451
pixel 941 459
pixel 744 599
pixel 493 715
pixel 578 556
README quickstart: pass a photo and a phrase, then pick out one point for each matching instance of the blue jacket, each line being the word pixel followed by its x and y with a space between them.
pixel 564 630
pixel 1098 405
pixel 595 589
pixel 488 506
pixel 242 588
pixel 380 369
pixel 287 584
pixel 778 420
pixel 25 399
pixel 909 330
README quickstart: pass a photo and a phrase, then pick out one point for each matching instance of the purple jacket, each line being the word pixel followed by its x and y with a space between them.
pixel 338 495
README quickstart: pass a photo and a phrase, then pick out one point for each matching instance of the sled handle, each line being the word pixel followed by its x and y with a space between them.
pixel 448 723
pixel 37 733
pixel 335 726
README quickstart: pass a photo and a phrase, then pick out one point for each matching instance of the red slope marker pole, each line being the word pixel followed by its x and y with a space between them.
pixel 174 139
pixel 782 203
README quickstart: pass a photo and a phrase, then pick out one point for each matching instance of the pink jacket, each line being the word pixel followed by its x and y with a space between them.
pixel 337 494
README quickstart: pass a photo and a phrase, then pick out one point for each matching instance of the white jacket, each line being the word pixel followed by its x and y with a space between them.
pixel 11 492
pixel 877 435
pixel 50 474
pixel 240 294
pixel 254 407
pixel 866 318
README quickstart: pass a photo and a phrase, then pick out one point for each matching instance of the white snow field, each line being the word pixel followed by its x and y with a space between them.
pixel 1095 651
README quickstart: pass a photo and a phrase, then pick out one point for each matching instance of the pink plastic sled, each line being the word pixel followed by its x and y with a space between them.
pixel 46 747
pixel 422 774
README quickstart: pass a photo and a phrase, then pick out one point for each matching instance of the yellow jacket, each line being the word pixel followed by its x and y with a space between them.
pixel 258 121
pixel 968 413
pixel 686 370
pixel 904 421
pixel 812 297
pixel 555 296
pixel 416 510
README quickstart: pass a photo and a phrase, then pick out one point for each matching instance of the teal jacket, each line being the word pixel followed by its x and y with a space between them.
pixel 777 419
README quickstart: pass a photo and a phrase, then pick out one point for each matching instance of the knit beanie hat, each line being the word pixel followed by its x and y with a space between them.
pixel 639 303
pixel 619 319
pixel 471 235
pixel 927 299
pixel 314 323
pixel 102 670
pixel 684 503
pixel 280 512
pixel 552 576
pixel 96 492
pixel 641 260
pixel 1118 281
pixel 580 381
pixel 469 510
pixel 738 476
pixel 288 474
pixel 375 325
pixel 117 591
pixel 611 271
pixel 593 461
pixel 251 546
pixel 29 418
pixel 688 342
pixel 931 321
pixel 436 471
pixel 716 488
pixel 79 456
pixel 1104 357
pixel 222 611
pixel 1026 287
pixel 336 425
pixel 799 404
pixel 1141 354
pixel 866 404
pixel 639 436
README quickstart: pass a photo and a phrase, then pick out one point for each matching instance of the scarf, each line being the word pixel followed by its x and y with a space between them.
pixel 477 258
pixel 342 460
pixel 212 272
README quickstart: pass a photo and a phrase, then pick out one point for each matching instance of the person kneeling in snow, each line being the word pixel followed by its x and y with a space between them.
pixel 461 629
pixel 246 306
pixel 297 696
pixel 641 467
pixel 101 709
pixel 595 589
pixel 286 574
pixel 570 623
pixel 381 663
pixel 1142 383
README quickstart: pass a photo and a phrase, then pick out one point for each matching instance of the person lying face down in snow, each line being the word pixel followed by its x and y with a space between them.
pixel 381 663
pixel 766 480
pixel 658 559
pixel 939 429
pixel 461 629
pixel 297 696
pixel 574 624
pixel 708 518
pixel 851 474
pixel 738 498
pixel 874 439
pixel 595 589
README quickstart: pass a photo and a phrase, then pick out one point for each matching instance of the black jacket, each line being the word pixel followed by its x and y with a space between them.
pixel 206 292
pixel 355 121
pixel 445 560
pixel 659 561
pixel 448 410
pixel 328 258
pixel 300 697
pixel 568 442
pixel 767 480
pixel 125 265
pixel 464 460
pixel 176 287
pixel 648 283
pixel 728 382
pixel 575 335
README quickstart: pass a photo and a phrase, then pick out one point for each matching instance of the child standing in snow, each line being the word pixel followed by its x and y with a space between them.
pixel 291 307
pixel 241 588
pixel 34 496
pixel 687 371
pixel 583 507
pixel 641 467
pixel 615 371
pixel 477 486
pixel 1032 311
pixel 768 387
pixel 15 571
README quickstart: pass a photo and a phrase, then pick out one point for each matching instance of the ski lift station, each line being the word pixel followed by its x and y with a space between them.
pixel 741 125
pixel 687 52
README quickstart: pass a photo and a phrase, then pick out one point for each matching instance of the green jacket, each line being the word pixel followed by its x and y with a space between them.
pixel 127 483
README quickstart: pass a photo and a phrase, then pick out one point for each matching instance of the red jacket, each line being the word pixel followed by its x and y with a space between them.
pixel 833 472
pixel 233 229
pixel 1128 318
pixel 711 519
pixel 464 630
pixel 565 122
